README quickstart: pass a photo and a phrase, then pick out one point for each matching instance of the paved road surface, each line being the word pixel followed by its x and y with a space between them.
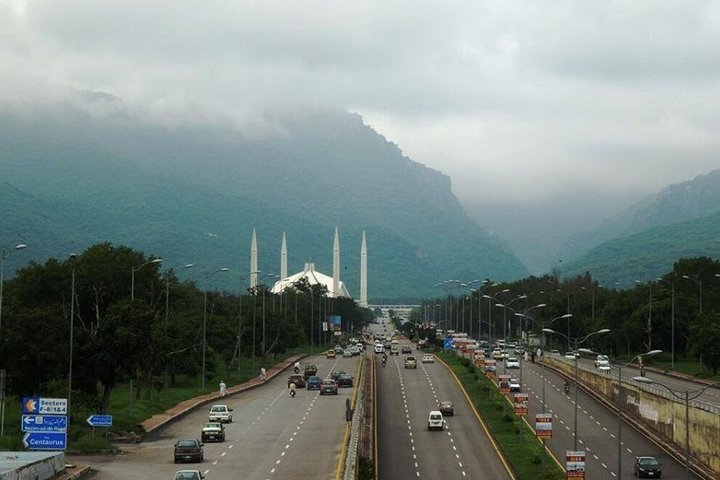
pixel 272 436
pixel 407 449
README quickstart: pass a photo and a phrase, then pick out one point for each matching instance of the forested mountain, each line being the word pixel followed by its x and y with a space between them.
pixel 676 203
pixel 79 173
pixel 682 222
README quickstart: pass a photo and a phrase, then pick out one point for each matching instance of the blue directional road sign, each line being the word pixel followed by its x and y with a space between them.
pixel 100 420
pixel 45 440
pixel 44 406
pixel 448 344
pixel 44 423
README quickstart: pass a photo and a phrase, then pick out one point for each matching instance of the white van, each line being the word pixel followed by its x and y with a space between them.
pixel 394 347
pixel 435 420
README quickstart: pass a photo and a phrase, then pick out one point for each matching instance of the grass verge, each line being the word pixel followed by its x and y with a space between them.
pixel 127 409
pixel 523 452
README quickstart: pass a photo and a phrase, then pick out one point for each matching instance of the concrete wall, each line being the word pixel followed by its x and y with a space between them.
pixel 30 465
pixel 662 413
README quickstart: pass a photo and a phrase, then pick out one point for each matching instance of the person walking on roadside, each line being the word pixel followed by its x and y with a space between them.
pixel 263 374
pixel 223 388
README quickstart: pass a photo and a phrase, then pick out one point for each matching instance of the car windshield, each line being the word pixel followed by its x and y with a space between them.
pixel 218 409
pixel 187 443
pixel 435 417
pixel 212 425
pixel 328 382
pixel 187 476
pixel 648 462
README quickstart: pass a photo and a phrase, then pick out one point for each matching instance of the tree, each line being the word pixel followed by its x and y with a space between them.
pixel 705 337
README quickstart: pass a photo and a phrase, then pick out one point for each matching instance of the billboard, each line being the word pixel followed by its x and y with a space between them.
pixel 335 322
pixel 543 425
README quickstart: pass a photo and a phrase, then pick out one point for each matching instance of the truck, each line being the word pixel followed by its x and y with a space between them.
pixel 394 347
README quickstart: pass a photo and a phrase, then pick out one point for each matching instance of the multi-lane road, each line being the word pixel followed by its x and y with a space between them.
pixel 406 449
pixel 272 436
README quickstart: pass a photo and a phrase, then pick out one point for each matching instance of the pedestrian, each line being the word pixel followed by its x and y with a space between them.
pixel 223 388
pixel 263 374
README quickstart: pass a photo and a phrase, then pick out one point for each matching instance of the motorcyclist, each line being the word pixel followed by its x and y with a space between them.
pixel 292 389
pixel 567 386
pixel 296 367
pixel 642 370
pixel 384 361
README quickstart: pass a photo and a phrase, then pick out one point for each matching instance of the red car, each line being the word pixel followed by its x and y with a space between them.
pixel 328 387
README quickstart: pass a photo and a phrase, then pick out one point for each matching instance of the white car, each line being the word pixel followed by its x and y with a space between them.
pixel 428 358
pixel 379 348
pixel 189 475
pixel 220 413
pixel 512 362
pixel 571 355
pixel 347 353
pixel 602 361
pixel 435 420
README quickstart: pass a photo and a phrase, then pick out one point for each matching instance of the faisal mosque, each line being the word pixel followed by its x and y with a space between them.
pixel 334 285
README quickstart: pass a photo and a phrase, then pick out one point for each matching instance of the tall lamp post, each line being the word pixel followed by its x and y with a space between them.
pixel 72 329
pixel 3 255
pixel 698 282
pixel 204 342
pixel 577 341
pixel 135 269
pixel 648 328
pixel 490 299
pixel 619 407
pixel 685 395
pixel 505 306
pixel 167 307
pixel 672 320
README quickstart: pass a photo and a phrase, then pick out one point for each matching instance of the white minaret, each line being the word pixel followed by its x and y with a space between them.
pixel 363 272
pixel 283 258
pixel 253 261
pixel 336 264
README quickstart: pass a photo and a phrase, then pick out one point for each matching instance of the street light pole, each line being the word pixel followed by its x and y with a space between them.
pixel 698 282
pixel 672 321
pixel 577 341
pixel 204 342
pixel 3 256
pixel 167 309
pixel 686 396
pixel 137 268
pixel 619 407
pixel 72 329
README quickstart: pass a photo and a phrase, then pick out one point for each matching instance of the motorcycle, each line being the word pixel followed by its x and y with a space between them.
pixel 296 369
pixel 642 371
pixel 567 387
pixel 292 392
pixel 383 363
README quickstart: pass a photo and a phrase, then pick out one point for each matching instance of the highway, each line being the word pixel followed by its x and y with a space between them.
pixel 597 428
pixel 273 436
pixel 406 448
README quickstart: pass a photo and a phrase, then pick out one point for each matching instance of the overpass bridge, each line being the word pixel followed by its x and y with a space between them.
pixel 402 311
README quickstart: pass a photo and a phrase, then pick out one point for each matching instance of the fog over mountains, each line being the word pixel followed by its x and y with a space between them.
pixel 91 169
pixel 642 242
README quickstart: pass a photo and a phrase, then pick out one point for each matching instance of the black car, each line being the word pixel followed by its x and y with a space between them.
pixel 188 449
pixel 336 374
pixel 648 467
pixel 297 379
pixel 310 371
pixel 345 380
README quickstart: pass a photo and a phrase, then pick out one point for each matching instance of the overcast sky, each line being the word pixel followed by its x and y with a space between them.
pixel 519 102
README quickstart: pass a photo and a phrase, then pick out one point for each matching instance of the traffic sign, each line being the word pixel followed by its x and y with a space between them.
pixel 44 423
pixel 44 406
pixel 521 403
pixel 99 420
pixel 575 465
pixel 543 425
pixel 45 440
pixel 448 344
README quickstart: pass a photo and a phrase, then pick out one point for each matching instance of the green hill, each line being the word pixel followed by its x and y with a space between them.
pixel 191 191
pixel 650 253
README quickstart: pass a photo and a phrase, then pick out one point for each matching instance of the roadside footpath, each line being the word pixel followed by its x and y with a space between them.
pixel 160 420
